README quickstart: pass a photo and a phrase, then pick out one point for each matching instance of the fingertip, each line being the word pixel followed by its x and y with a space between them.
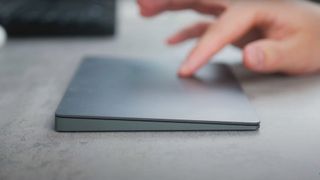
pixel 185 71
pixel 146 13
pixel 172 40
pixel 139 2
pixel 149 8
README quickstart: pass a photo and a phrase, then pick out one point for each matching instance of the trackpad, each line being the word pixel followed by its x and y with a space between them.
pixel 108 94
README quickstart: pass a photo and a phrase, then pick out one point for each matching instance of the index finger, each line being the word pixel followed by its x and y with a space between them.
pixel 229 28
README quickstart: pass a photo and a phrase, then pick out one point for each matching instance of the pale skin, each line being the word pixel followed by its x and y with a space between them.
pixel 276 35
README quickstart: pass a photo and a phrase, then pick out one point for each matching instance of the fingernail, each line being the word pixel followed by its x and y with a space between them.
pixel 256 57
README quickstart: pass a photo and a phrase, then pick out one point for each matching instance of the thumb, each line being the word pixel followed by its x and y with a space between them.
pixel 264 56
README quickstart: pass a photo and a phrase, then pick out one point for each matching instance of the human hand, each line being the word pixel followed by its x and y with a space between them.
pixel 276 36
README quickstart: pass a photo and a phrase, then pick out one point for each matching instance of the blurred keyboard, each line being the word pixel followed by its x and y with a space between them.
pixel 58 17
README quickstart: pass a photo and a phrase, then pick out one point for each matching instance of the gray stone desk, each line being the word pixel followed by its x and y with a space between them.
pixel 34 74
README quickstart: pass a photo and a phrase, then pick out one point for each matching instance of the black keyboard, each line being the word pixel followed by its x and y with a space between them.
pixel 58 17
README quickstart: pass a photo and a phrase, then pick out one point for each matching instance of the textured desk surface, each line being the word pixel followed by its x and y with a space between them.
pixel 34 73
